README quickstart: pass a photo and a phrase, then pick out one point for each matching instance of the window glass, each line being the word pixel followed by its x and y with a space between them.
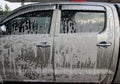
pixel 38 22
pixel 81 21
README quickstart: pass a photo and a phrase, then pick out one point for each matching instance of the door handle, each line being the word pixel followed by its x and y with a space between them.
pixel 43 45
pixel 104 44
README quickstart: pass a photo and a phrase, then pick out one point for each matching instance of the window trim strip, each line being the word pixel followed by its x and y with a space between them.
pixel 83 7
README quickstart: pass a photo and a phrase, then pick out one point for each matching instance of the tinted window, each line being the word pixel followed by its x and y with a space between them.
pixel 38 22
pixel 81 21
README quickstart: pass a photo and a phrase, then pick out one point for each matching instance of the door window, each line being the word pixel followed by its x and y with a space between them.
pixel 82 21
pixel 37 22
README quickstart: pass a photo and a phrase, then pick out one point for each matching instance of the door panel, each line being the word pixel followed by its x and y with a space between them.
pixel 84 45
pixel 26 47
pixel 74 57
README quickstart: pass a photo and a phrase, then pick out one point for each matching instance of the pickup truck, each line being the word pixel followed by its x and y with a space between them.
pixel 61 42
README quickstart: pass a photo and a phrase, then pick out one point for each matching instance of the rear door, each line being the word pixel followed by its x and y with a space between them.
pixel 84 43
pixel 26 47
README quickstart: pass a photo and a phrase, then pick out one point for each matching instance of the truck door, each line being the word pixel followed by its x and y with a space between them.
pixel 84 43
pixel 26 47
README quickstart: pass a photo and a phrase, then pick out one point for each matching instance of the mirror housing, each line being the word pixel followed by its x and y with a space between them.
pixel 2 28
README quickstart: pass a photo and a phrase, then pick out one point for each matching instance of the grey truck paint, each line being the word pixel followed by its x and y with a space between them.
pixel 36 48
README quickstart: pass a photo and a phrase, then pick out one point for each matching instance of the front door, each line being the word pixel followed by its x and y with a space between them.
pixel 26 47
pixel 83 47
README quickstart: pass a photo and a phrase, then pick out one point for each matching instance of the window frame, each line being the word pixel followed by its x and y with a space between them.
pixel 83 8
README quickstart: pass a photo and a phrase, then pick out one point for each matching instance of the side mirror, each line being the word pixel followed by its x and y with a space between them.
pixel 3 28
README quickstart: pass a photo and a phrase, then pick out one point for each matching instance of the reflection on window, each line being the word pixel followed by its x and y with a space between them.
pixel 77 21
pixel 31 23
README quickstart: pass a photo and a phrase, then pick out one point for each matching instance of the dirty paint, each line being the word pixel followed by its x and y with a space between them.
pixel 20 59
pixel 22 52
pixel 27 51
pixel 76 58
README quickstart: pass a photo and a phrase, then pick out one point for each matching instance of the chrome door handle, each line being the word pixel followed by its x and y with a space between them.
pixel 104 44
pixel 43 45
